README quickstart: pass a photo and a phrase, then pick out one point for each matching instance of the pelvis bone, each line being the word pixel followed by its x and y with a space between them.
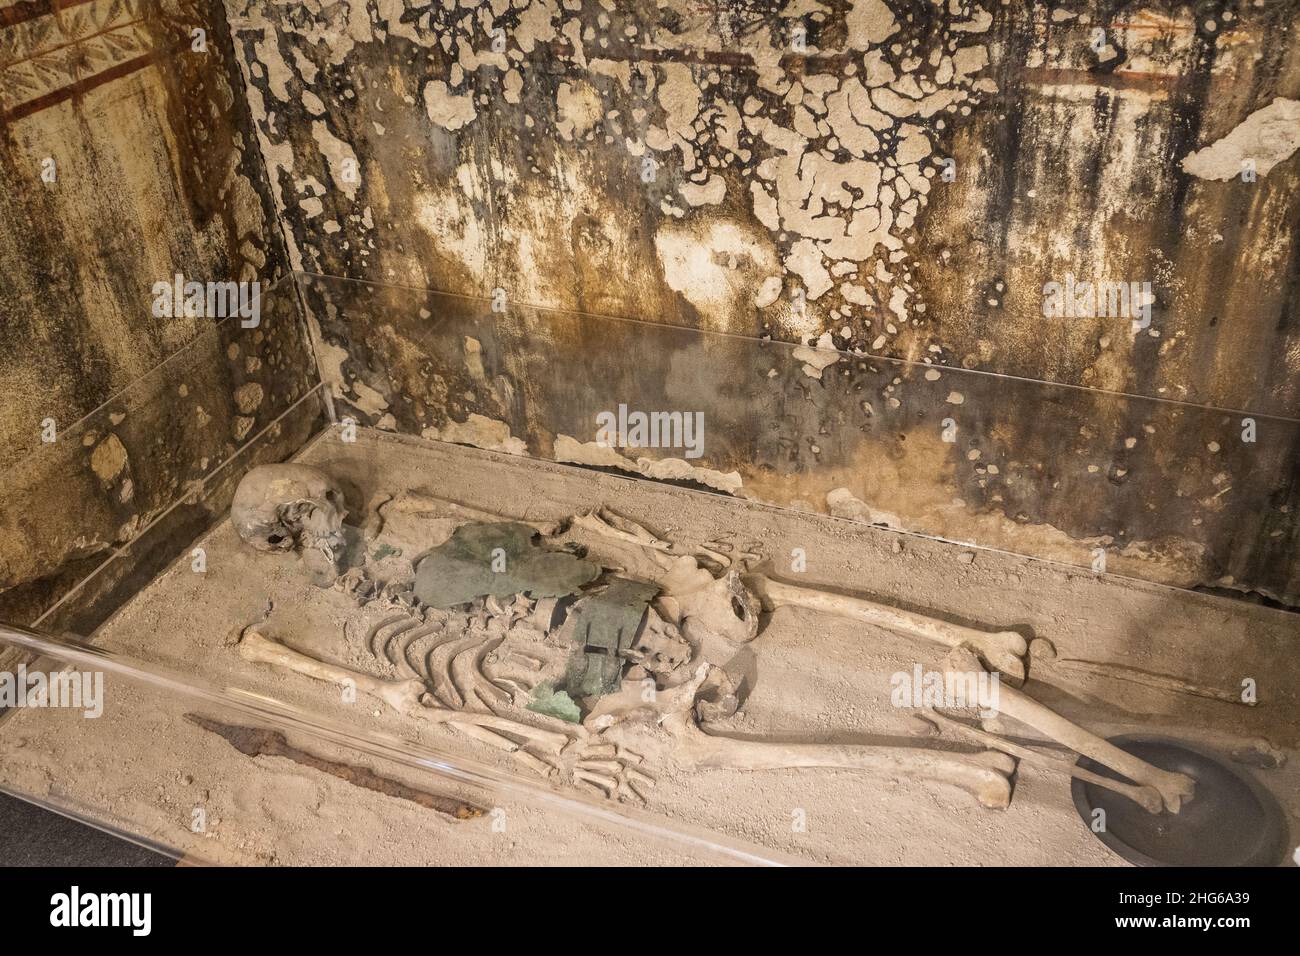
pixel 690 596
pixel 724 608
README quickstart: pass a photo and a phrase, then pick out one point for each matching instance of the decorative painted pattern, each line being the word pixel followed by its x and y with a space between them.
pixel 53 50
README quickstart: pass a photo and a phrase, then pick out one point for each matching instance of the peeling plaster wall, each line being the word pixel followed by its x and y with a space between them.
pixel 126 159
pixel 893 180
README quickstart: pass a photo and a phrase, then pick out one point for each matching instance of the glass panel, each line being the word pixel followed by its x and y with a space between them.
pixel 328 792
pixel 134 469
pixel 864 463
pixel 1170 492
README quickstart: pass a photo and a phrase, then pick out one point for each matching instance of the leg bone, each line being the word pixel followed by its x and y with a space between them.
pixel 1146 797
pixel 1005 650
pixel 1173 788
pixel 986 775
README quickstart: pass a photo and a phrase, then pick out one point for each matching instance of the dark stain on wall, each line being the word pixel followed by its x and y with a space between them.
pixel 128 159
pixel 897 182
pixel 519 168
pixel 872 439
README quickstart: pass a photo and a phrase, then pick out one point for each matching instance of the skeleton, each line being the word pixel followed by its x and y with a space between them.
pixel 280 508
pixel 705 592
pixel 578 752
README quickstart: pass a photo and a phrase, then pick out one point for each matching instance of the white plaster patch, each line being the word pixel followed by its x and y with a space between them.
pixel 709 193
pixel 368 400
pixel 344 169
pixel 480 432
pixel 677 469
pixel 313 103
pixel 578 109
pixel 818 357
pixel 446 109
pixel 512 86
pixel 768 292
pixel 455 229
pixel 842 503
pixel 805 261
pixel 569 449
pixel 871 20
pixel 1267 137
pixel 715 270
pixel 278 73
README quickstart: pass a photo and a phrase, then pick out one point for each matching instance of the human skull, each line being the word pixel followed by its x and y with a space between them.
pixel 291 508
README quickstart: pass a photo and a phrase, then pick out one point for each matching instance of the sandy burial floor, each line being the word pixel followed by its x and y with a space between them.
pixel 807 678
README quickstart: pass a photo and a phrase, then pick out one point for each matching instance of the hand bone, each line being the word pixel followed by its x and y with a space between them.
pixel 607 768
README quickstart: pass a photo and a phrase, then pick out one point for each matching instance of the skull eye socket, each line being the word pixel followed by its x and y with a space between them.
pixel 275 539
pixel 737 607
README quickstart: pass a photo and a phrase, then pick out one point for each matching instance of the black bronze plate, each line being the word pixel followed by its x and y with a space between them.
pixel 1231 821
